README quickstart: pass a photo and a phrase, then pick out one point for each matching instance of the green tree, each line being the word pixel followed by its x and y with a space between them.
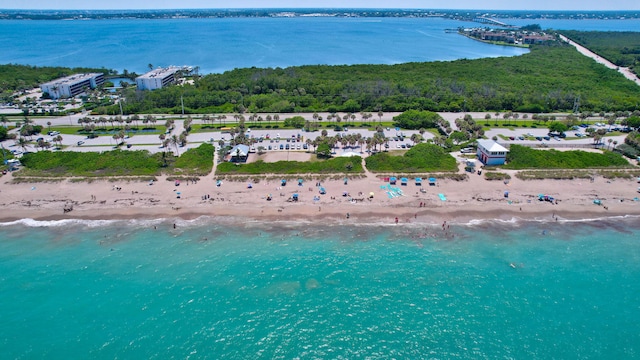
pixel 558 127
pixel 323 150
pixel 415 119
pixel 634 122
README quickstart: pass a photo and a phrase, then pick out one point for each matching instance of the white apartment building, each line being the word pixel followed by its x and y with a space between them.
pixel 72 85
pixel 157 78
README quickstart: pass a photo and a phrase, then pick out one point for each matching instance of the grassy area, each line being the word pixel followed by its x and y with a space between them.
pixel 346 165
pixel 47 164
pixel 419 159
pixel 522 157
pixel 195 162
pixel 104 131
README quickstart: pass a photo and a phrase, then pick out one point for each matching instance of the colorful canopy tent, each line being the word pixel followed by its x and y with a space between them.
pixel 249 186
pixel 392 180
pixel 419 181
pixel 404 181
pixel 432 181
pixel 218 183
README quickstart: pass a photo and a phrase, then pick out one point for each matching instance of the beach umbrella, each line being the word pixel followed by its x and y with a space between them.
pixel 371 194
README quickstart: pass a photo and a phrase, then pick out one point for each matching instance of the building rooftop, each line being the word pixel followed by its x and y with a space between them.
pixel 160 72
pixel 71 79
pixel 492 146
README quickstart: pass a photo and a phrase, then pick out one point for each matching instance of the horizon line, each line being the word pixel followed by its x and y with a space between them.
pixel 316 8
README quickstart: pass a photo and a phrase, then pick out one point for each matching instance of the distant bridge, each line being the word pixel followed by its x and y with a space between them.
pixel 486 20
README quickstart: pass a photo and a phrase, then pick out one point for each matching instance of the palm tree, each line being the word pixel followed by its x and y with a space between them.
pixel 48 125
pixel 380 113
pixel 58 139
pixel 609 141
pixel 175 142
pixel 615 143
pixel 22 142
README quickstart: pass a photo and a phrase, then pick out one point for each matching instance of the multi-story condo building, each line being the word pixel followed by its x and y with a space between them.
pixel 157 78
pixel 72 85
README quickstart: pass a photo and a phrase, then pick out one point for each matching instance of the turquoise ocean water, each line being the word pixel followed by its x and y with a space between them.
pixel 216 289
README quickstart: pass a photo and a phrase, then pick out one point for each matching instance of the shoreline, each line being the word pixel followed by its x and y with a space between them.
pixel 459 214
pixel 362 200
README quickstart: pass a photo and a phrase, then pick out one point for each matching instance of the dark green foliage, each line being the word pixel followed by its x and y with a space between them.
pixel 558 127
pixel 628 151
pixel 3 133
pixel 31 129
pixel 620 47
pixel 294 122
pixel 419 159
pixel 634 122
pixel 549 79
pixel 198 161
pixel 323 150
pixel 22 77
pixel 414 119
pixel 522 157
pixel 351 165
pixel 633 139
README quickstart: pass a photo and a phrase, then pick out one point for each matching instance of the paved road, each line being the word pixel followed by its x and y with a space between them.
pixel 586 52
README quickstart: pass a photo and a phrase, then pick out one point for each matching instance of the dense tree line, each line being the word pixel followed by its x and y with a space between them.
pixel 620 47
pixel 550 78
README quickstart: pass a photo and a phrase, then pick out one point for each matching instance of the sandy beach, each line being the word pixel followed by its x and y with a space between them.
pixel 472 199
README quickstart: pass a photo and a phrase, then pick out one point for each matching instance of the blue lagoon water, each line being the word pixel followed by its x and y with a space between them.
pixel 217 45
pixel 221 290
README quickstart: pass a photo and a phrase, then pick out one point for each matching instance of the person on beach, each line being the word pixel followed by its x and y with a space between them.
pixel 396 220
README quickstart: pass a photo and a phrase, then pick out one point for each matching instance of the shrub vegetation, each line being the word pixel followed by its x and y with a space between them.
pixel 522 157
pixel 194 162
pixel 347 165
pixel 419 159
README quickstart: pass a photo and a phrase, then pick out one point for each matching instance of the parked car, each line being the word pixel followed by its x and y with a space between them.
pixel 80 142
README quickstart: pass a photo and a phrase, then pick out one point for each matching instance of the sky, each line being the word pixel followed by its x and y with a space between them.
pixel 409 4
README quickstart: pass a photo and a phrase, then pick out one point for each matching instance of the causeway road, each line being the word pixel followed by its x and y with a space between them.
pixel 599 59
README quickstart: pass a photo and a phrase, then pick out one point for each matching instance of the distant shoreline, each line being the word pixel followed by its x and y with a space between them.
pixel 456 14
